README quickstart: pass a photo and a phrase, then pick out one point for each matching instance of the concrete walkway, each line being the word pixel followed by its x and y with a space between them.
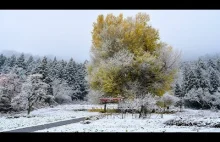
pixel 47 126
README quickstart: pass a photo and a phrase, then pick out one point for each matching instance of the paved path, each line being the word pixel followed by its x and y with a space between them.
pixel 46 126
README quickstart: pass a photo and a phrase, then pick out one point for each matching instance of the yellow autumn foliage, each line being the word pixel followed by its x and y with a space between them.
pixel 110 35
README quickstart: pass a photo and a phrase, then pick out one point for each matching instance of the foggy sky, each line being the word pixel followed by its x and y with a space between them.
pixel 67 33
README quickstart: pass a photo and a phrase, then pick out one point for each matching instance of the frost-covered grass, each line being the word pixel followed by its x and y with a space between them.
pixel 46 115
pixel 153 124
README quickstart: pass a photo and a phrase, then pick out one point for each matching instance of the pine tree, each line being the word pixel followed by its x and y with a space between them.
pixel 201 64
pixel 78 84
pixel 21 61
pixel 42 69
pixel 53 70
pixel 214 82
pixel 201 82
pixel 30 60
pixel 54 61
pixel 12 61
pixel 191 81
pixel 178 91
pixel 60 70
pixel 70 72
pixel 2 60
pixel 48 81
pixel 30 65
pixel 218 65
pixel 36 66
pixel 211 64
pixel 81 81
pixel 185 79
pixel 9 64
pixel 49 63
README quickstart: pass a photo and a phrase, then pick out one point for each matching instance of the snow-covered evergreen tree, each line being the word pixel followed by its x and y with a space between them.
pixel 70 72
pixel 214 82
pixel 211 64
pixel 30 65
pixel 191 81
pixel 60 69
pixel 2 61
pixel 21 61
pixel 52 72
pixel 80 82
pixel 218 64
pixel 30 61
pixel 201 64
pixel 12 61
pixel 185 80
pixel 36 66
pixel 9 64
pixel 42 69
pixel 178 91
pixel 202 81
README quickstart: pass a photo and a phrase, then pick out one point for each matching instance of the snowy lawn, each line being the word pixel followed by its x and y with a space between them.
pixel 153 124
pixel 46 115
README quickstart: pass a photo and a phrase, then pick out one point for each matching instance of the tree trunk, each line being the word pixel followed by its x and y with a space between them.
pixel 164 107
pixel 105 108
pixel 140 114
pixel 181 104
pixel 29 109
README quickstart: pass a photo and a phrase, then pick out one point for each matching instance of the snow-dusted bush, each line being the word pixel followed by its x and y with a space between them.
pixel 62 91
pixel 193 98
pixel 63 99
pixel 202 99
pixel 168 100
pixel 142 104
pixel 94 96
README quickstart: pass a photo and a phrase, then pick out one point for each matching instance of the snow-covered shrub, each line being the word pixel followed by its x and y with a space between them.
pixel 167 100
pixel 193 98
pixel 202 99
pixel 142 104
pixel 62 92
pixel 94 96
pixel 214 100
pixel 63 99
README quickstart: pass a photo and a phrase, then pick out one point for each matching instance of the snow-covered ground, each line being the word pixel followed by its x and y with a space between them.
pixel 153 124
pixel 46 115
pixel 113 123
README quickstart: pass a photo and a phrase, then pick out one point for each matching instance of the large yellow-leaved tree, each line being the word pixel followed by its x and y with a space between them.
pixel 128 58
